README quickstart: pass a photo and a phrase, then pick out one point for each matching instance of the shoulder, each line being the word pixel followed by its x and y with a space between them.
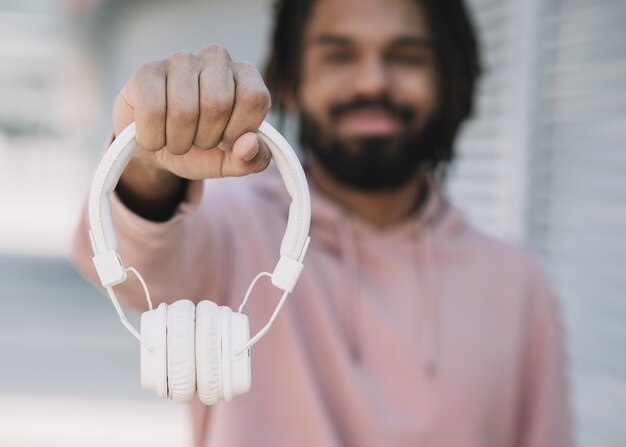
pixel 502 262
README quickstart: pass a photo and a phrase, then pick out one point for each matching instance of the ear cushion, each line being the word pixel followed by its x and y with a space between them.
pixel 181 358
pixel 208 352
pixel 227 354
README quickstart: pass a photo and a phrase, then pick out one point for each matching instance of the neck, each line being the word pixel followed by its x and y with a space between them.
pixel 382 209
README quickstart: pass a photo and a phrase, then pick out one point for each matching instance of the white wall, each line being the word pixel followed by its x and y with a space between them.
pixel 544 163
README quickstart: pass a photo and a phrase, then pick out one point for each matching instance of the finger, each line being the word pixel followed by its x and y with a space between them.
pixel 251 105
pixel 249 154
pixel 182 103
pixel 145 92
pixel 123 112
pixel 217 95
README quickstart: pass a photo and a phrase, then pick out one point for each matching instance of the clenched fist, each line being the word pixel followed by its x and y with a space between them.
pixel 196 115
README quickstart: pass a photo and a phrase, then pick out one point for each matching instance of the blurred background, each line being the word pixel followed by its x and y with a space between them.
pixel 543 162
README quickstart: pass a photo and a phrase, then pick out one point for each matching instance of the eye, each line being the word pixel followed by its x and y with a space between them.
pixel 408 58
pixel 338 57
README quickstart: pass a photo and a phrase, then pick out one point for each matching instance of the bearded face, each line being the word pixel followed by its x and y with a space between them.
pixel 369 162
pixel 368 91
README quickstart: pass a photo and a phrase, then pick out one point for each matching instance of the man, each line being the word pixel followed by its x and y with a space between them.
pixel 408 327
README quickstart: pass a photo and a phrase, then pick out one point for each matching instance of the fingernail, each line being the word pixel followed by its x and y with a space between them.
pixel 223 146
pixel 250 157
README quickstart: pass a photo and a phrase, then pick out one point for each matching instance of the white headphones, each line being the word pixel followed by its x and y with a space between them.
pixel 204 347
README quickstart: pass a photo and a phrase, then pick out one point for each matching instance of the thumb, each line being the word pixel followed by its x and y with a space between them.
pixel 250 154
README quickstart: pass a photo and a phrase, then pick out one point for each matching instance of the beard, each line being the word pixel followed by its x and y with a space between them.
pixel 370 164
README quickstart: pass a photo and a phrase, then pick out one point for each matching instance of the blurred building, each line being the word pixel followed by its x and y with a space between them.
pixel 44 116
pixel 542 162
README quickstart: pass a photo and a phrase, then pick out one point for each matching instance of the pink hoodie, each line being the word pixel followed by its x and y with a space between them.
pixel 426 334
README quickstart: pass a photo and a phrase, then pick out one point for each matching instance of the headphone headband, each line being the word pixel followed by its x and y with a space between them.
pixel 293 248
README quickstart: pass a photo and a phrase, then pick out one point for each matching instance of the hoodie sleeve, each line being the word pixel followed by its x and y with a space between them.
pixel 177 258
pixel 546 419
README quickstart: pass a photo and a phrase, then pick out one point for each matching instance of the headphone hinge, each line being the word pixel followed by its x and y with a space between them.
pixel 286 273
pixel 110 269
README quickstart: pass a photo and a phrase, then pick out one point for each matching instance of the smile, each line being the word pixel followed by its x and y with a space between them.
pixel 368 123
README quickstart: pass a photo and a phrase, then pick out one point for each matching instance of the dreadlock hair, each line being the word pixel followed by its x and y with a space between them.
pixel 457 54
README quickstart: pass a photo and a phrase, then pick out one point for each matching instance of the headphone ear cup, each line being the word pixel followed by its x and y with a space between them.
pixel 236 374
pixel 208 352
pixel 242 371
pixel 153 350
pixel 181 358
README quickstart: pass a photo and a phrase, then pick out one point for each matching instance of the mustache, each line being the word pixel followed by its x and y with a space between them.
pixel 404 113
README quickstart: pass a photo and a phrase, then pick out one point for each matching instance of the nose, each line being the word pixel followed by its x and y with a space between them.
pixel 371 78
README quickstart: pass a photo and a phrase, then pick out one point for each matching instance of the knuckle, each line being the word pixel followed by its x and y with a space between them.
pixel 149 145
pixel 153 112
pixel 149 69
pixel 147 76
pixel 218 107
pixel 184 114
pixel 249 71
pixel 150 142
pixel 247 67
pixel 256 98
pixel 215 51
pixel 180 57
pixel 174 144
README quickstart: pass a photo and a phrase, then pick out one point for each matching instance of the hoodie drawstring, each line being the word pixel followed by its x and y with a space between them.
pixel 428 309
pixel 350 301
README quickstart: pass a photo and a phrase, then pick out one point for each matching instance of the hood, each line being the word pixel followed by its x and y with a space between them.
pixel 422 233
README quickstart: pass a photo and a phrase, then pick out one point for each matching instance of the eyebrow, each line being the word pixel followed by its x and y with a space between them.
pixel 404 41
pixel 413 41
pixel 331 39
